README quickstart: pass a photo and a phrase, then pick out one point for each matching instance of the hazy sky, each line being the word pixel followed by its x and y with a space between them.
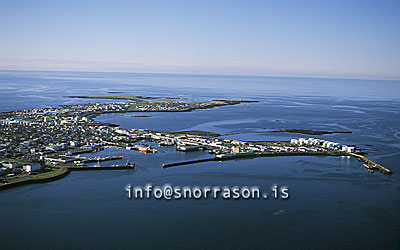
pixel 303 38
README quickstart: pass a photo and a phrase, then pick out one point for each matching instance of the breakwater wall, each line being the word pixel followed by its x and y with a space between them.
pixel 101 168
pixel 168 165
pixel 228 157
pixel 370 165
pixel 61 173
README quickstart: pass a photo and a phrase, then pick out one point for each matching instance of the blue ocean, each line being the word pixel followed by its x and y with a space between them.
pixel 334 203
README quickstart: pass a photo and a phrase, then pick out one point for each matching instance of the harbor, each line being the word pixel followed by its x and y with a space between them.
pixel 36 138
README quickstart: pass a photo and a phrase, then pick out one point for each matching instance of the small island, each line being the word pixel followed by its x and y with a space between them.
pixel 307 131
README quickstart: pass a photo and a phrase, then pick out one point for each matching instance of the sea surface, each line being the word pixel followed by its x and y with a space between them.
pixel 334 203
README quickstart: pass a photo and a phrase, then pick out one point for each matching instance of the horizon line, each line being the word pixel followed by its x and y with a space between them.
pixel 210 74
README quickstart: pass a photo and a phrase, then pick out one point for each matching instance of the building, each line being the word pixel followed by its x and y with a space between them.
pixel 31 167
pixel 348 149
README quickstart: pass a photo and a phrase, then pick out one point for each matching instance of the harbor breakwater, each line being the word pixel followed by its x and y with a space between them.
pixel 58 174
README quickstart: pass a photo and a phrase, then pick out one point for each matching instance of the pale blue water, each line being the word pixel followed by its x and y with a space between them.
pixel 334 203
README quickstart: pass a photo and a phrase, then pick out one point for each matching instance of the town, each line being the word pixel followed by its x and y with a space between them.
pixel 46 143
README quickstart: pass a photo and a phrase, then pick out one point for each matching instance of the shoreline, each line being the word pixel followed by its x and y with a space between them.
pixel 64 171
pixel 55 176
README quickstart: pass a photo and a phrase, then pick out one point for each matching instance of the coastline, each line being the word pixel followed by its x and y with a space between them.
pixel 56 175
pixel 53 177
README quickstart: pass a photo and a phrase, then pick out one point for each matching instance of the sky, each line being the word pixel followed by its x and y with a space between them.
pixel 345 39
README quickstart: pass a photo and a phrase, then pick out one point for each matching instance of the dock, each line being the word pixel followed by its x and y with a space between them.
pixel 98 159
pixel 114 167
pixel 371 165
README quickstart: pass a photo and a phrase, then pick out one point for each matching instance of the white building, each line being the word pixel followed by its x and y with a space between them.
pixel 348 149
pixel 31 167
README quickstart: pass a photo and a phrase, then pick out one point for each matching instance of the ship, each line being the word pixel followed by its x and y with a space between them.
pixel 187 148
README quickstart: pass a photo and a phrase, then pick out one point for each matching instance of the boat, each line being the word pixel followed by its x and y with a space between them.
pixel 128 164
pixel 143 149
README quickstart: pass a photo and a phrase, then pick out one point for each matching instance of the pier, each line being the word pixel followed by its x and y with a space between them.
pixel 98 159
pixel 371 165
pixel 114 167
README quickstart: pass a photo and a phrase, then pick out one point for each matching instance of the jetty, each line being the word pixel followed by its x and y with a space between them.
pixel 244 155
pixel 371 165
pixel 368 164
pixel 168 165
pixel 113 167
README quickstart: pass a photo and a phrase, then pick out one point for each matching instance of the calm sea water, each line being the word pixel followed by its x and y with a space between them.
pixel 333 202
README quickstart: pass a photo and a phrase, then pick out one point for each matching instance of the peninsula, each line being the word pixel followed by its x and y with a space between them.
pixel 45 144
